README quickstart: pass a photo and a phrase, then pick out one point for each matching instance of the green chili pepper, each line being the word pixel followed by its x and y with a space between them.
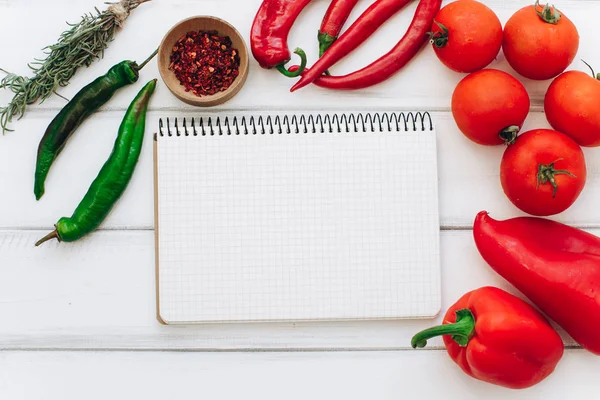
pixel 85 103
pixel 114 176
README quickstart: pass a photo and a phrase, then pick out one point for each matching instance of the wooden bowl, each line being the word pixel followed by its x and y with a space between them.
pixel 201 23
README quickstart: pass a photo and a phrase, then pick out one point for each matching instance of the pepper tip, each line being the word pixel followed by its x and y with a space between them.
pixel 38 188
pixel 297 85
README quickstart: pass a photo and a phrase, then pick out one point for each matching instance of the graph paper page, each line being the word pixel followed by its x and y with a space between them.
pixel 297 227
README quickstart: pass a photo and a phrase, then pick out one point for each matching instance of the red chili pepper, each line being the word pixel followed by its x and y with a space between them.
pixel 556 266
pixel 385 66
pixel 498 338
pixel 366 24
pixel 336 16
pixel 270 29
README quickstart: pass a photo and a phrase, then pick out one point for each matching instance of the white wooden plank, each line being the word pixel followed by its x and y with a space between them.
pixel 293 376
pixel 469 175
pixel 99 294
pixel 423 84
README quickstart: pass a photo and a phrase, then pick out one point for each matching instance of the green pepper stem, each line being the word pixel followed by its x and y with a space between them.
pixel 50 236
pixel 281 67
pixel 462 330
pixel 143 64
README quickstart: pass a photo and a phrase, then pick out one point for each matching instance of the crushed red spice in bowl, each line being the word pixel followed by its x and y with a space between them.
pixel 204 62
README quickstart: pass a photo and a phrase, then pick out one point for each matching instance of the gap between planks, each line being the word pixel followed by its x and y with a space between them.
pixel 16 229
pixel 536 106
pixel 235 350
pixel 133 229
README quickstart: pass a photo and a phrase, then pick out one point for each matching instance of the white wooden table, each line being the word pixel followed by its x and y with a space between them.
pixel 78 320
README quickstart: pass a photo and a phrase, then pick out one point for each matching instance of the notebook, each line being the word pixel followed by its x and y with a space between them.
pixel 302 217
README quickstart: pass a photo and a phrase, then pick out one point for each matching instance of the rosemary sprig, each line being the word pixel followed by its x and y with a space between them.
pixel 79 46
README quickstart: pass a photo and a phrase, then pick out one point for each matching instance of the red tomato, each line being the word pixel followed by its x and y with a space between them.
pixel 540 42
pixel 571 106
pixel 490 106
pixel 543 172
pixel 466 35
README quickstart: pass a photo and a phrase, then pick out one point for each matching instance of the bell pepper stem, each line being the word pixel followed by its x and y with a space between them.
pixel 50 236
pixel 462 330
pixel 147 60
pixel 281 67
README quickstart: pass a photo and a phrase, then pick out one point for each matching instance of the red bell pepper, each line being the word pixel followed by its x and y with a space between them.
pixel 498 338
pixel 556 266
pixel 269 33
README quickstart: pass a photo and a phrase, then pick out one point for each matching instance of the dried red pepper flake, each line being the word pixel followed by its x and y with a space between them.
pixel 204 62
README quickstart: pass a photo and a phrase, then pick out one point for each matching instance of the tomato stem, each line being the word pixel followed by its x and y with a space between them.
pixel 594 75
pixel 439 38
pixel 547 173
pixel 509 134
pixel 548 14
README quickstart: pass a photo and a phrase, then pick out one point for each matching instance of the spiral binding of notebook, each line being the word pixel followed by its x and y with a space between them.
pixel 286 124
pixel 304 217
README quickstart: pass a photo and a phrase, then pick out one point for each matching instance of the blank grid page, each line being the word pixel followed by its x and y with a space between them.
pixel 298 227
